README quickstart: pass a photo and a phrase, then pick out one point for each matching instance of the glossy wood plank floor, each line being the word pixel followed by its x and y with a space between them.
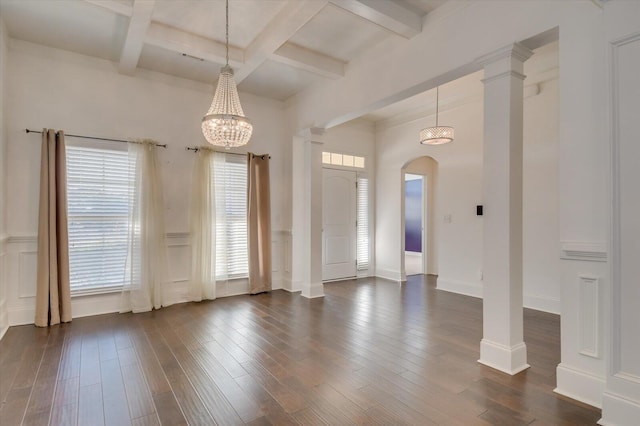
pixel 370 352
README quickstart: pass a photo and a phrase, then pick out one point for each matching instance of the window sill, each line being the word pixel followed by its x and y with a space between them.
pixel 95 291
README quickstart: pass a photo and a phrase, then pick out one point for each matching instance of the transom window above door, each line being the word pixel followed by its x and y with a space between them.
pixel 344 160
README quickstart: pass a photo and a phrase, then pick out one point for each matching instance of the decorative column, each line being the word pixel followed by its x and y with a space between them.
pixel 502 346
pixel 312 223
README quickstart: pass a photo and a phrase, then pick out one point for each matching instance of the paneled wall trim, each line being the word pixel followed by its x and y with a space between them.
pixel 20 258
pixel 621 400
pixel 587 251
pixel 589 316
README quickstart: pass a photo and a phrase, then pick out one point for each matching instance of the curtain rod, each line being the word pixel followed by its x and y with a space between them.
pixel 96 138
pixel 197 148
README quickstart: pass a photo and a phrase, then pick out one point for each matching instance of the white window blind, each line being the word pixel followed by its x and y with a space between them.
pixel 362 243
pixel 230 183
pixel 98 202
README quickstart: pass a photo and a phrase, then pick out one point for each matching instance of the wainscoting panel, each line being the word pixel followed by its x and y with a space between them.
pixel 179 253
pixel 21 271
pixel 27 273
pixel 281 258
pixel 275 257
pixel 589 316
pixel 287 251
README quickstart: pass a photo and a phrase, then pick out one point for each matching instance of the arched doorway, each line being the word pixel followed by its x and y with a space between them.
pixel 419 239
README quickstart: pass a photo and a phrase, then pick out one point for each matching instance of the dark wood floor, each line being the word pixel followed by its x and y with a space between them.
pixel 370 352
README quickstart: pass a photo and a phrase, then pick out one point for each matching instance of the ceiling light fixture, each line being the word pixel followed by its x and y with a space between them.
pixel 225 124
pixel 438 135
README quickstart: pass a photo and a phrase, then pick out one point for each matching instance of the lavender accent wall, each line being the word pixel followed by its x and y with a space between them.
pixel 413 215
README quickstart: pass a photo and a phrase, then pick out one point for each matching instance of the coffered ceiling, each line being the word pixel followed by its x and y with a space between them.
pixel 278 47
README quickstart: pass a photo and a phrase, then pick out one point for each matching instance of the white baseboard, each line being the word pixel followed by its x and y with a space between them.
pixel 539 303
pixel 468 289
pixel 544 304
pixel 22 315
pixel 579 385
pixel 510 360
pixel 4 317
pixel 291 286
pixel 363 274
pixel 276 284
pixel 313 290
pixel 388 274
pixel 619 411
pixel 81 306
pixel 107 303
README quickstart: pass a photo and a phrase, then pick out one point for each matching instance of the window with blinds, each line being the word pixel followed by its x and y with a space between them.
pixel 362 243
pixel 98 211
pixel 230 183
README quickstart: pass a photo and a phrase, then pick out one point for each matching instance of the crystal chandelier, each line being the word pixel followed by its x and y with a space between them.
pixel 437 135
pixel 225 124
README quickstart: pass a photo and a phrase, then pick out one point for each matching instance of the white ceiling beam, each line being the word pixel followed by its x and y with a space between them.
pixel 114 6
pixel 281 28
pixel 179 41
pixel 133 43
pixel 386 14
pixel 309 60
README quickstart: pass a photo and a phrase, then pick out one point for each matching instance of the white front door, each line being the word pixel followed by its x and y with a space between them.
pixel 338 224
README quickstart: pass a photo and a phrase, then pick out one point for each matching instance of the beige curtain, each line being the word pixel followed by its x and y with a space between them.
pixel 259 223
pixel 53 295
pixel 203 229
pixel 146 269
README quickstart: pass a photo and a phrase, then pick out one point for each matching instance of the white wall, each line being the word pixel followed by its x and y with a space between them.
pixel 541 265
pixel 459 243
pixel 83 95
pixel 4 318
pixel 356 137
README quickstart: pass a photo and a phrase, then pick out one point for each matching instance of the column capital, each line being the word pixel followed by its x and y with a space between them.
pixel 313 134
pixel 514 50
pixel 509 73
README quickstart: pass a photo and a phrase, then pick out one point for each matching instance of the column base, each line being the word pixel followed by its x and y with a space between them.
pixel 312 290
pixel 508 359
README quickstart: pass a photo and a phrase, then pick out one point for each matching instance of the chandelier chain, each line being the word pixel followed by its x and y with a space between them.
pixel 227 30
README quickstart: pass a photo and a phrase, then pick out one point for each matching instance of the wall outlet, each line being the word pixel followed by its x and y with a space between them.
pixel 447 218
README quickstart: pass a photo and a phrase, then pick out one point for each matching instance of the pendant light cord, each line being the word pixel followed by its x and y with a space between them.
pixel 227 31
pixel 437 101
